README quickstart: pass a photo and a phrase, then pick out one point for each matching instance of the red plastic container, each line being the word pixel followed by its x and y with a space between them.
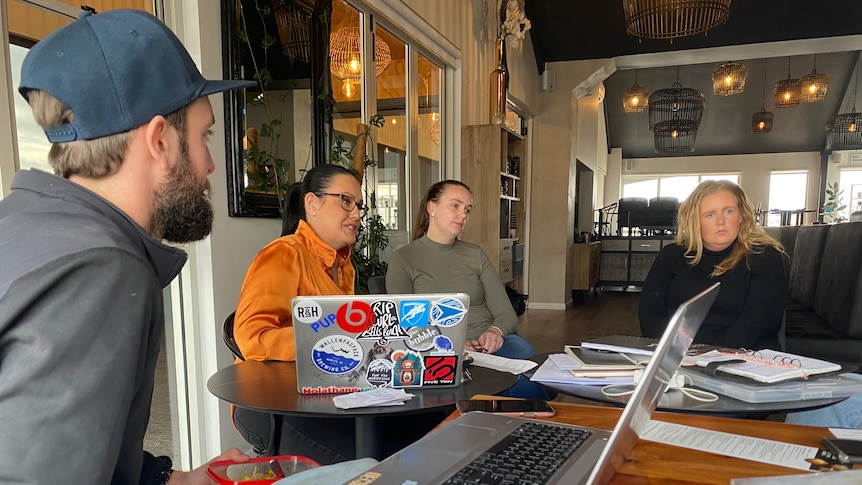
pixel 257 471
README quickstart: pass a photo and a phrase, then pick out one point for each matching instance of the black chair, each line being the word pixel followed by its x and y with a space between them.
pixel 377 285
pixel 631 211
pixel 228 337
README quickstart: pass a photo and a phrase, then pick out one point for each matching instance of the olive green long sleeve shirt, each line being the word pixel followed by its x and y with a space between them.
pixel 425 266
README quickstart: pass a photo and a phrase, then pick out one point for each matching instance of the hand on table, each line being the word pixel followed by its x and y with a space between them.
pixel 489 342
pixel 199 476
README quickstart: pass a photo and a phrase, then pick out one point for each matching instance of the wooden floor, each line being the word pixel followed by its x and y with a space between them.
pixel 605 314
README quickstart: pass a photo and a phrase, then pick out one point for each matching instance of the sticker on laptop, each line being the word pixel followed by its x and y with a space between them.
pixel 407 371
pixel 414 313
pixel 386 324
pixel 307 311
pixel 336 354
pixel 355 316
pixel 440 370
pixel 380 373
pixel 422 338
pixel 447 312
pixel 443 345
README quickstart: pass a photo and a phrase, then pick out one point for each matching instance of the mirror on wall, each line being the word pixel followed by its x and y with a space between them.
pixel 282 126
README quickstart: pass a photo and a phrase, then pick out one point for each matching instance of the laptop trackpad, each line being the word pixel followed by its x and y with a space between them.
pixel 438 445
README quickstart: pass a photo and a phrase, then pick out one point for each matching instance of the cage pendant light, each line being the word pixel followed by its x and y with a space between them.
pixel 674 137
pixel 814 85
pixel 786 92
pixel 635 98
pixel 677 103
pixel 670 19
pixel 761 122
pixel 345 49
pixel 728 79
pixel 846 131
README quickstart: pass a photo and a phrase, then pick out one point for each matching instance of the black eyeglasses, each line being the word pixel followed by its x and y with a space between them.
pixel 347 202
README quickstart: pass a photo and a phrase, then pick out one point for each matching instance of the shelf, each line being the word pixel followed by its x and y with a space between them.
pixel 512 133
pixel 510 176
pixel 506 197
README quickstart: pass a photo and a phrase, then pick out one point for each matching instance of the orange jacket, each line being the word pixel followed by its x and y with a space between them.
pixel 294 265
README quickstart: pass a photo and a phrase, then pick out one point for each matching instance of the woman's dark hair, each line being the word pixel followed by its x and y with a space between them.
pixel 316 180
pixel 433 194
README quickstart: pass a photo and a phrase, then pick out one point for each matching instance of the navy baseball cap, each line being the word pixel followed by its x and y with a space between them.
pixel 116 70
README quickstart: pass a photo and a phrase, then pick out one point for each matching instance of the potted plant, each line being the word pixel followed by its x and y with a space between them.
pixel 834 207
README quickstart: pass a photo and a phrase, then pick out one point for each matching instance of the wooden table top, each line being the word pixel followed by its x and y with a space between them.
pixel 651 462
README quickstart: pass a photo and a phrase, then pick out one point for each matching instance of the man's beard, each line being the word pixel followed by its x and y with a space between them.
pixel 183 211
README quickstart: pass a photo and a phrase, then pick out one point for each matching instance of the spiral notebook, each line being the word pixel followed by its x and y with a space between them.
pixel 767 366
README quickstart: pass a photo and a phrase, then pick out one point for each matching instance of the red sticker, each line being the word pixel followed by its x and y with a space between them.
pixel 355 317
pixel 440 370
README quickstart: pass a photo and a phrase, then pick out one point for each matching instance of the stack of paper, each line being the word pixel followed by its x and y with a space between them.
pixel 595 363
pixel 381 396
pixel 551 373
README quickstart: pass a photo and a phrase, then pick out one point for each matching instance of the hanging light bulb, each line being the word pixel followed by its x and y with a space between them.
pixel 844 133
pixel 787 92
pixel 814 85
pixel 674 134
pixel 347 89
pixel 728 79
pixel 761 121
pixel 353 65
pixel 635 98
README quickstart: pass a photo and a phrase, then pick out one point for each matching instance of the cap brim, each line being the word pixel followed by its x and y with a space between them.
pixel 213 87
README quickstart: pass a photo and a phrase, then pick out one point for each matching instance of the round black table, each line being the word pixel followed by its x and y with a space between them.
pixel 678 402
pixel 270 386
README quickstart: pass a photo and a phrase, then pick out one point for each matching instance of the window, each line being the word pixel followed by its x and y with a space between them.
pixel 403 83
pixel 851 184
pixel 787 192
pixel 32 145
pixel 671 185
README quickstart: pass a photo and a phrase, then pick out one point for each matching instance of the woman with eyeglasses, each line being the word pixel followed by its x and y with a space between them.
pixel 321 218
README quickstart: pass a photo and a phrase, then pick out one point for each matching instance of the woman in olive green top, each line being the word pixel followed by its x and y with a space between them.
pixel 438 262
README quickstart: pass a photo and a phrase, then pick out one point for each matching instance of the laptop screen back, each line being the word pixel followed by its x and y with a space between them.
pixel 349 343
pixel 669 353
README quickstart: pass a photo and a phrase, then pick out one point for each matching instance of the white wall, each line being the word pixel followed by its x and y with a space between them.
pixel 556 146
pixel 219 262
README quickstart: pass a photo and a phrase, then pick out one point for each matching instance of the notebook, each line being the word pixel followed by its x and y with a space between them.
pixel 473 436
pixel 765 365
pixel 349 343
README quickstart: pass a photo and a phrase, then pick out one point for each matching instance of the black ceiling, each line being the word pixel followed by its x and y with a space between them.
pixel 567 30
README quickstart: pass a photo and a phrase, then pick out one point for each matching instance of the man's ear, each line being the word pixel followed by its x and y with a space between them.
pixel 158 140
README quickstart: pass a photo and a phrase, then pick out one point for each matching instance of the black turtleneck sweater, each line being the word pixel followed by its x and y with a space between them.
pixel 748 310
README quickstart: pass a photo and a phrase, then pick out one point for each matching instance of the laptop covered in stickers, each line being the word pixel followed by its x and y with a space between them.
pixel 349 343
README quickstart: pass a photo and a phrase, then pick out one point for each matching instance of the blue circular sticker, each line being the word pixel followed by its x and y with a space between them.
pixel 336 354
pixel 447 312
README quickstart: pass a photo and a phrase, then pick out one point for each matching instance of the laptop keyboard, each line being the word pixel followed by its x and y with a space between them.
pixel 530 454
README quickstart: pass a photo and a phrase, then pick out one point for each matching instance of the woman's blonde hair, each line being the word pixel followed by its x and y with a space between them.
pixel 88 158
pixel 751 239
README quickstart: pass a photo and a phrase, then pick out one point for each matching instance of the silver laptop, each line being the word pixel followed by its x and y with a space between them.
pixel 442 454
pixel 349 343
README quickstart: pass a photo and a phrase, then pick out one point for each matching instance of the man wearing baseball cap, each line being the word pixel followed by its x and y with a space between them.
pixel 83 265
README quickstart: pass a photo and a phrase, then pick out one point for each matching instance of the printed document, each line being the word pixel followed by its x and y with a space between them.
pixel 728 444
